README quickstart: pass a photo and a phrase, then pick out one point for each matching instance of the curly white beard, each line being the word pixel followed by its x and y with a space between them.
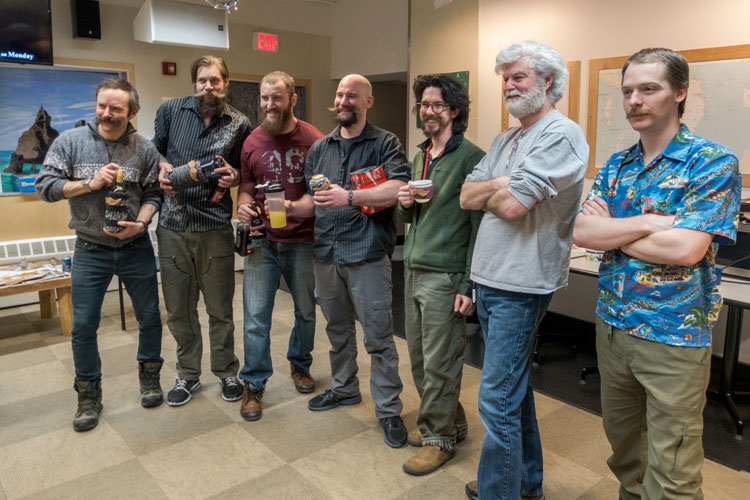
pixel 528 103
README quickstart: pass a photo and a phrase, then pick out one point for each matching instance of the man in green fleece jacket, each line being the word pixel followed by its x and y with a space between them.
pixel 437 258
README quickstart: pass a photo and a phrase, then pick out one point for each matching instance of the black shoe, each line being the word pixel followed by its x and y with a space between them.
pixel 148 376
pixel 471 490
pixel 330 400
pixel 89 404
pixel 394 431
pixel 231 389
pixel 182 392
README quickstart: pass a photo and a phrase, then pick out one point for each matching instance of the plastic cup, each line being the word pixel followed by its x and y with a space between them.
pixel 276 208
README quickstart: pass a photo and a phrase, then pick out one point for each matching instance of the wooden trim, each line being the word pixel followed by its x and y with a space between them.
pixel 574 96
pixel 693 55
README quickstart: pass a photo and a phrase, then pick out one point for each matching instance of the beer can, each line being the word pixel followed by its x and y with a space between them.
pixel 66 263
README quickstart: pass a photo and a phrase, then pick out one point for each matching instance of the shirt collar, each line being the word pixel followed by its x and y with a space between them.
pixel 367 133
pixel 678 148
pixel 454 142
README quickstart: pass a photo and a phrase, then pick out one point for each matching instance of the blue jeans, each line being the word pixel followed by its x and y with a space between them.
pixel 263 269
pixel 511 461
pixel 92 270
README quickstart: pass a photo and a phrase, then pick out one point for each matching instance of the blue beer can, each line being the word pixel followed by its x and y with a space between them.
pixel 66 263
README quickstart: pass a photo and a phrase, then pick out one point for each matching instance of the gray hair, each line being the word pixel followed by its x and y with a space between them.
pixel 543 59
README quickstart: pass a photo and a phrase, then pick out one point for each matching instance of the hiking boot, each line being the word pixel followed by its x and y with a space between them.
pixel 182 392
pixel 303 381
pixel 426 460
pixel 231 389
pixel 414 437
pixel 89 404
pixel 394 432
pixel 251 408
pixel 148 376
pixel 330 400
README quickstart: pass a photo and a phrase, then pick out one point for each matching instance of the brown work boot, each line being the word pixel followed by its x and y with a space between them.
pixel 303 381
pixel 426 460
pixel 251 408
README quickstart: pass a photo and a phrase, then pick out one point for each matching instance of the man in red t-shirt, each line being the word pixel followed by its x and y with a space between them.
pixel 275 152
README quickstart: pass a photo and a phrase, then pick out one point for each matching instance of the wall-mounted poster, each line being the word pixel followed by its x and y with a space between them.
pixel 717 106
pixel 37 104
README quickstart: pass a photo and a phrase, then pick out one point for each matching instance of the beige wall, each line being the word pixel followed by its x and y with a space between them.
pixel 586 29
pixel 304 56
pixel 443 40
pixel 369 37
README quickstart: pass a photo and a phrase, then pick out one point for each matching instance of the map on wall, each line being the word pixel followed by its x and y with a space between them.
pixel 717 107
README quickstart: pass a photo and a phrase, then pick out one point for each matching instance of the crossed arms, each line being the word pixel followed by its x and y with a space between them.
pixel 648 237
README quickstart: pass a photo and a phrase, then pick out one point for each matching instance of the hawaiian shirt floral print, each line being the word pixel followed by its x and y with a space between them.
pixel 697 181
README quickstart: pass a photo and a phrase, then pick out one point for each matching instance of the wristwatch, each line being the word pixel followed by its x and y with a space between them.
pixel 85 184
pixel 351 197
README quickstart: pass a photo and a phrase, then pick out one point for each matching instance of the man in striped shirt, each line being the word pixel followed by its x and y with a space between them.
pixel 352 253
pixel 195 232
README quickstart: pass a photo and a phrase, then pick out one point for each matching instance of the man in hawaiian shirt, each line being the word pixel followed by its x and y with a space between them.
pixel 658 209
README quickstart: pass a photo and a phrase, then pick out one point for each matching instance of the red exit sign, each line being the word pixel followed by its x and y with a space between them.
pixel 266 42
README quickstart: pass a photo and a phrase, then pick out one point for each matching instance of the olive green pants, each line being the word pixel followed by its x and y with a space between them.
pixel 653 396
pixel 436 336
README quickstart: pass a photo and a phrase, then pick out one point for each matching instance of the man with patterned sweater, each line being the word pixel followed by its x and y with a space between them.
pixel 437 265
pixel 80 165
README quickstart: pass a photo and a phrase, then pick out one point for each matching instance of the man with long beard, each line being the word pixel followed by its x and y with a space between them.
pixel 353 254
pixel 529 186
pixel 275 153
pixel 196 243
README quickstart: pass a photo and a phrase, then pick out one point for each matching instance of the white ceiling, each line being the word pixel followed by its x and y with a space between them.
pixel 293 15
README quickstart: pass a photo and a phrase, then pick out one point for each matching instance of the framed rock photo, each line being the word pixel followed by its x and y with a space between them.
pixel 40 102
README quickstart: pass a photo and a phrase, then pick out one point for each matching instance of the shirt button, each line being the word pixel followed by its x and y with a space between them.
pixel 626 302
pixel 640 176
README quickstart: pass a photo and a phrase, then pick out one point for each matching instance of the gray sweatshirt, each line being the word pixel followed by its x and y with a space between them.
pixel 78 154
pixel 546 169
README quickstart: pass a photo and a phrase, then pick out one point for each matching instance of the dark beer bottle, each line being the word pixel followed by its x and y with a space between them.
pixel 116 204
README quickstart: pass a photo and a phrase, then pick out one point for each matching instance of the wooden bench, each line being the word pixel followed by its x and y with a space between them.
pixel 48 304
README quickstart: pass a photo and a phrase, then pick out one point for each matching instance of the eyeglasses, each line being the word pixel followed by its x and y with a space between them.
pixel 437 107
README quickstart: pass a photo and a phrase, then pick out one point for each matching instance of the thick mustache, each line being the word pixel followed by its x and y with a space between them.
pixel 217 94
pixel 336 109
pixel 110 119
pixel 514 93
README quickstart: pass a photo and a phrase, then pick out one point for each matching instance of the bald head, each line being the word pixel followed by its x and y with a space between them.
pixel 360 81
pixel 353 99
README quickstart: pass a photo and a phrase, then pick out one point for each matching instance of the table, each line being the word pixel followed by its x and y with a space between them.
pixel 736 297
pixel 48 304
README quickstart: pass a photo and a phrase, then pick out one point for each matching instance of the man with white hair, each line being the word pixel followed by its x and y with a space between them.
pixel 529 186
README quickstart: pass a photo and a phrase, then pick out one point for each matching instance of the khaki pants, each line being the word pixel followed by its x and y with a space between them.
pixel 436 336
pixel 194 263
pixel 653 396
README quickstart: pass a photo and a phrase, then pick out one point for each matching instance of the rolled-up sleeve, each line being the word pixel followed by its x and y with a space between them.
pixel 551 166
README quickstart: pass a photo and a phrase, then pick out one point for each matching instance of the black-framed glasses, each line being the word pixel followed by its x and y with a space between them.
pixel 437 107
